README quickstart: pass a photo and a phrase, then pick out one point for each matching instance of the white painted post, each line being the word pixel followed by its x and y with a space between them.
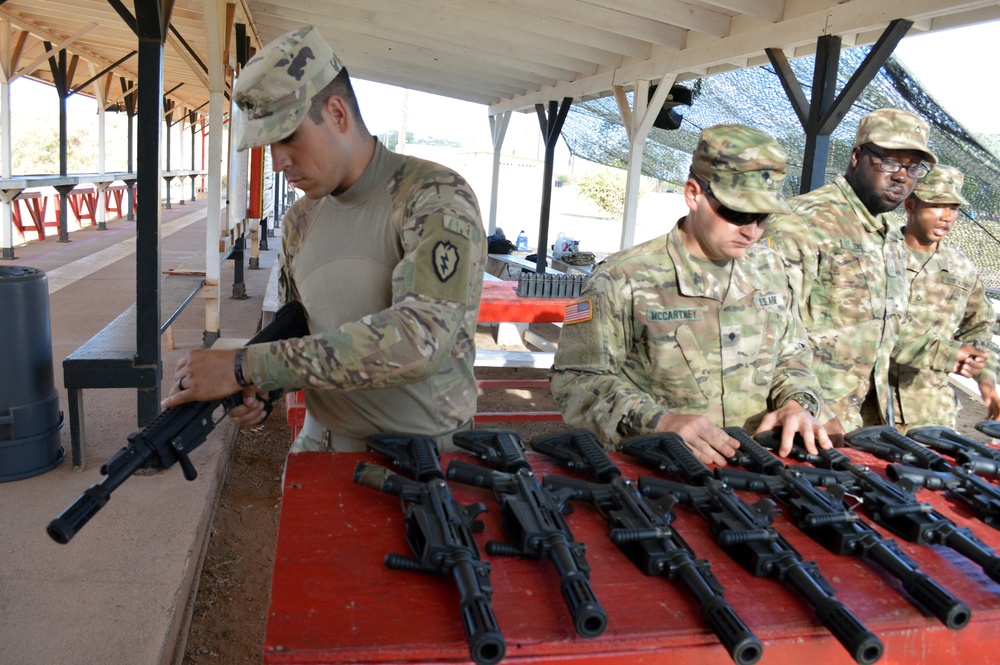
pixel 216 108
pixel 638 122
pixel 498 129
pixel 101 186
pixel 7 217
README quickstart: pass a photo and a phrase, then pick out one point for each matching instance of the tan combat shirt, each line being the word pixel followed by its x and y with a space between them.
pixel 390 273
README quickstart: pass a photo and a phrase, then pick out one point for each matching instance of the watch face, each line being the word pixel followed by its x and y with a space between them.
pixel 808 403
pixel 811 406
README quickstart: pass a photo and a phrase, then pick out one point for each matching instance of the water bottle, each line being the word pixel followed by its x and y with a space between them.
pixel 522 242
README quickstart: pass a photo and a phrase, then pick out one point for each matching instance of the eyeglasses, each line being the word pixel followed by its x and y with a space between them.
pixel 736 217
pixel 889 165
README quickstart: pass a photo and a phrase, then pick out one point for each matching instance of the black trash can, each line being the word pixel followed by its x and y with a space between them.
pixel 30 418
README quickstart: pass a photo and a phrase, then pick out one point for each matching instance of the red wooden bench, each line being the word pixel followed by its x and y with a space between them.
pixel 36 203
pixel 114 200
pixel 83 203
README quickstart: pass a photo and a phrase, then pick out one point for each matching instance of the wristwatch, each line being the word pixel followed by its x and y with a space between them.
pixel 808 402
pixel 238 369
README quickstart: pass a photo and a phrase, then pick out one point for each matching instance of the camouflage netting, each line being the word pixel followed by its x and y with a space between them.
pixel 755 97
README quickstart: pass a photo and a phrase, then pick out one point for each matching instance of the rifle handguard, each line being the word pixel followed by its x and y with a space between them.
pixel 761 459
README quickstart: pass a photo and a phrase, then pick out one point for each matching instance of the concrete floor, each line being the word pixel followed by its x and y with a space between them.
pixel 121 590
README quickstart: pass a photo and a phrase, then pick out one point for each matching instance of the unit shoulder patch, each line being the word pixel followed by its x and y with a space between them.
pixel 445 258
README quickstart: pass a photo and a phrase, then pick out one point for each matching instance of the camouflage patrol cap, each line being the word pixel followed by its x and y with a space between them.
pixel 895 129
pixel 277 85
pixel 942 185
pixel 743 167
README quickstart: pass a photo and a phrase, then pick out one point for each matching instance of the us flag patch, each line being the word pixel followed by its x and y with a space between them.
pixel 581 310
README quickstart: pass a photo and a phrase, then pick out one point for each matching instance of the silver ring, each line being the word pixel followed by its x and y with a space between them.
pixel 180 383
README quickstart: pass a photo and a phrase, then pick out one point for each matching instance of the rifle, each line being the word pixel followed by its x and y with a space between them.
pixel 930 470
pixel 439 531
pixel 172 435
pixel 746 534
pixel 533 517
pixel 990 428
pixel 895 507
pixel 826 518
pixel 969 453
pixel 640 527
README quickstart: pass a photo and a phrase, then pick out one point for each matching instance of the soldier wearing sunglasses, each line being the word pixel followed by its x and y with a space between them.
pixel 847 266
pixel 697 329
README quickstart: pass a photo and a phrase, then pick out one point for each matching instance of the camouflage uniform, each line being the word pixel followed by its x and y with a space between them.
pixel 655 333
pixel 662 340
pixel 945 295
pixel 390 273
pixel 847 269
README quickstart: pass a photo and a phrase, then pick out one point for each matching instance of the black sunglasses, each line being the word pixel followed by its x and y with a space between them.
pixel 736 217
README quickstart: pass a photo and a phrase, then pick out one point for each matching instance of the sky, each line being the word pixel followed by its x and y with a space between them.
pixel 950 64
pixel 957 68
pixel 440 117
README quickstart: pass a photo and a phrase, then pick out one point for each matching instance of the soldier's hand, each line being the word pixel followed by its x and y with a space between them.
pixel 990 398
pixel 794 419
pixel 710 444
pixel 252 411
pixel 836 432
pixel 970 361
pixel 203 375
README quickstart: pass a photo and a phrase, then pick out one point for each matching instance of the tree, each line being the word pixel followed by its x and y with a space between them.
pixel 606 188
pixel 390 139
pixel 35 145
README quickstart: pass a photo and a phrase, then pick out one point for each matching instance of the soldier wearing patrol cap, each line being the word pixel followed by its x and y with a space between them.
pixel 947 303
pixel 696 330
pixel 847 266
pixel 385 252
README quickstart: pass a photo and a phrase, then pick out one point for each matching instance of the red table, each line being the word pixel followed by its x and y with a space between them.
pixel 500 302
pixel 333 600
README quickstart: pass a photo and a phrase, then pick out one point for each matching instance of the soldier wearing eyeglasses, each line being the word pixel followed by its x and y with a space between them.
pixel 847 265
pixel 697 329
pixel 947 302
